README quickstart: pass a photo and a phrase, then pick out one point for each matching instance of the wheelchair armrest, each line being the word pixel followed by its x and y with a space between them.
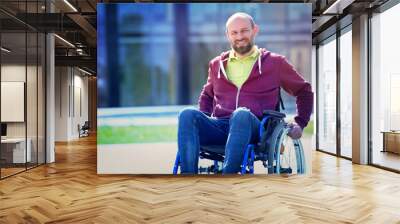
pixel 274 113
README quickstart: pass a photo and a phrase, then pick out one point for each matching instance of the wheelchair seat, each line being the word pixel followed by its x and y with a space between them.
pixel 274 113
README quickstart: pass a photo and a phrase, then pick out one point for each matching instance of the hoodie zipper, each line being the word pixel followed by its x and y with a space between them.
pixel 237 97
pixel 238 92
pixel 221 67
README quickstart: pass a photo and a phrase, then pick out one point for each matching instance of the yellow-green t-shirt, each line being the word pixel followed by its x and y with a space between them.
pixel 238 70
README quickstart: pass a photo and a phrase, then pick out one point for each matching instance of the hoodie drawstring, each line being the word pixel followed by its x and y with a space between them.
pixel 221 67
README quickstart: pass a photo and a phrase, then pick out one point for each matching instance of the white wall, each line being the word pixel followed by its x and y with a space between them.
pixel 33 126
pixel 61 103
pixel 80 110
pixel 13 100
pixel 12 73
pixel 71 94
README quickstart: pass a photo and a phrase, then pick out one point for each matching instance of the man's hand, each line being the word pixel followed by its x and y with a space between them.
pixel 295 131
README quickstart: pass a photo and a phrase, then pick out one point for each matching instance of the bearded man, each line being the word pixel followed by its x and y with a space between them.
pixel 241 84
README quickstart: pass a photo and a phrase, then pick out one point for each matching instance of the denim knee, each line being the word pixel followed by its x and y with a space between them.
pixel 188 113
pixel 241 117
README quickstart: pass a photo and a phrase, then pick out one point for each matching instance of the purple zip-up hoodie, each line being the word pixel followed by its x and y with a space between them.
pixel 220 97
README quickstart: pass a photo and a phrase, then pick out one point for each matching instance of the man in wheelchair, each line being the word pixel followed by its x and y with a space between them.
pixel 241 84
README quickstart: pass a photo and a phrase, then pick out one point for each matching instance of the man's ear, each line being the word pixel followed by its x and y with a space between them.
pixel 256 29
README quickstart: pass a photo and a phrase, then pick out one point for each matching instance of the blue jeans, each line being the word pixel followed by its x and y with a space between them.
pixel 196 129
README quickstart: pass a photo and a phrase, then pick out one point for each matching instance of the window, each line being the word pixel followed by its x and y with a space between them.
pixel 22 73
pixel 385 88
pixel 327 96
pixel 346 93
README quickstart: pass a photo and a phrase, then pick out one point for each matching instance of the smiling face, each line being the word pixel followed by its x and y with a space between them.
pixel 241 33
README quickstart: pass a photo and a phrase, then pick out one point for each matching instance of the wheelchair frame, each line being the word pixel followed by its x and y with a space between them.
pixel 256 152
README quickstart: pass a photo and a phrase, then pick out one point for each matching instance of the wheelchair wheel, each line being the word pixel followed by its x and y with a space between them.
pixel 300 158
pixel 280 139
pixel 295 166
pixel 272 155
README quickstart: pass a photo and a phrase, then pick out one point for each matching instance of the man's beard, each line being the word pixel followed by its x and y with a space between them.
pixel 244 49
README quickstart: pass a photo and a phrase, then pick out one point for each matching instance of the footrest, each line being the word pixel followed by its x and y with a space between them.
pixel 209 169
pixel 286 170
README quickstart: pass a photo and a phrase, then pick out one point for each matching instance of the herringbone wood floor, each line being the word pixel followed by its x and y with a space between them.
pixel 70 191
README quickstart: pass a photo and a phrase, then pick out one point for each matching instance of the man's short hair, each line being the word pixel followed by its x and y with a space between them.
pixel 242 15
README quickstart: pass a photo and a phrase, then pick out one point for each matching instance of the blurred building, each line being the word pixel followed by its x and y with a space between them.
pixel 158 54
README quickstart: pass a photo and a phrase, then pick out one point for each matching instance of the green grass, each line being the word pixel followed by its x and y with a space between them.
pixel 136 134
pixel 144 134
pixel 309 130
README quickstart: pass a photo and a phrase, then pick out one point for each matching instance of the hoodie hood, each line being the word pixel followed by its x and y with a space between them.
pixel 223 58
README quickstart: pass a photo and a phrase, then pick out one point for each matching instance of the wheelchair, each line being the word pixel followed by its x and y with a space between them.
pixel 83 130
pixel 272 133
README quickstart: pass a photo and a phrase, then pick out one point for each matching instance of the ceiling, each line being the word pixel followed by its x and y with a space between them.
pixel 72 20
pixel 76 22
